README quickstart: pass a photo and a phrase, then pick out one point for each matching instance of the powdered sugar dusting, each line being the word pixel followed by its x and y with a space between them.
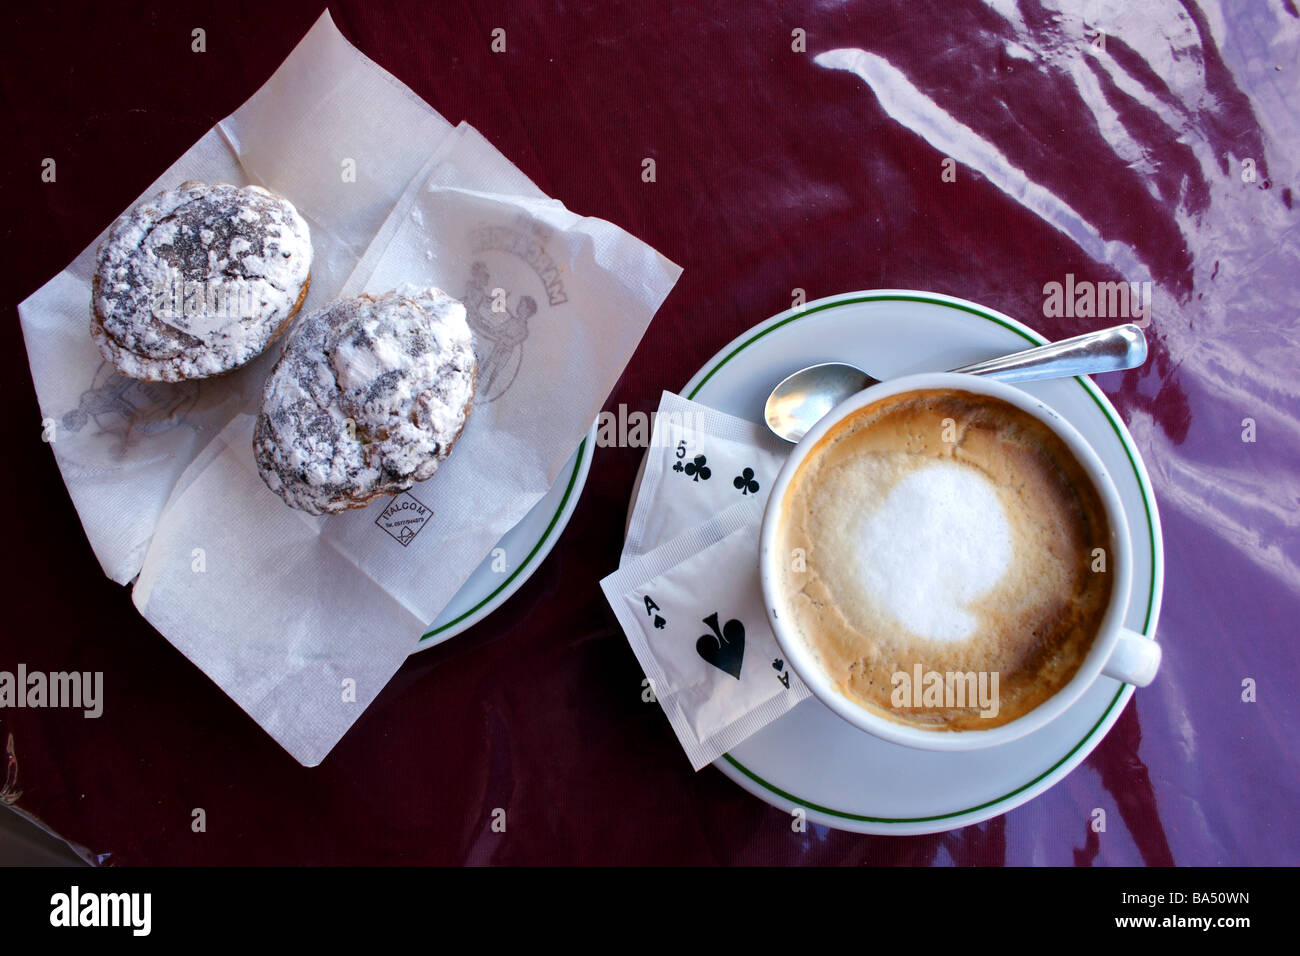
pixel 198 280
pixel 367 399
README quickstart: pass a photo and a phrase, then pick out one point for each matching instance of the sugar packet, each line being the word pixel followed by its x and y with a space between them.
pixel 693 611
pixel 700 461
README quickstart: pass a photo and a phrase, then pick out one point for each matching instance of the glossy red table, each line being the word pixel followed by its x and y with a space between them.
pixel 1097 158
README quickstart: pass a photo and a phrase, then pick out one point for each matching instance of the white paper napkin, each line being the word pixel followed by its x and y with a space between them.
pixel 303 619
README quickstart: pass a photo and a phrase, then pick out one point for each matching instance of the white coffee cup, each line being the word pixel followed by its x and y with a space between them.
pixel 1115 652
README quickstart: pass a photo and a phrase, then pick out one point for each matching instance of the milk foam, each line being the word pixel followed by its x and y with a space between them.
pixel 909 548
pixel 938 541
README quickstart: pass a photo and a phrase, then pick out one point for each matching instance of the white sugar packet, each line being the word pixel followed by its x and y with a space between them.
pixel 700 461
pixel 302 619
pixel 693 611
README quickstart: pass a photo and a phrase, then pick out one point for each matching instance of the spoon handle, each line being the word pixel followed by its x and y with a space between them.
pixel 1109 350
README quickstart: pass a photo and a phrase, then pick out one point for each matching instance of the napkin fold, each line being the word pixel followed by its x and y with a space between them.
pixel 303 619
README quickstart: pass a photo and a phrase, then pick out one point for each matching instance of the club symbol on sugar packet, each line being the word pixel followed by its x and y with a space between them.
pixel 724 649
pixel 745 483
pixel 696 469
pixel 403 517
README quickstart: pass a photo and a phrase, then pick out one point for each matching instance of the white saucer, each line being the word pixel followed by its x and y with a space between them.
pixel 810 758
pixel 534 536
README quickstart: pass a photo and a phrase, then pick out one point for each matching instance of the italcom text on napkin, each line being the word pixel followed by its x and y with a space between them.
pixel 301 619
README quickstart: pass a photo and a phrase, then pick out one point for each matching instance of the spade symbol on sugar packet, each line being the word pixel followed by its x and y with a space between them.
pixel 650 608
pixel 724 649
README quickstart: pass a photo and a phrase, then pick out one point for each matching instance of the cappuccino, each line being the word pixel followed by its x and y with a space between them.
pixel 950 532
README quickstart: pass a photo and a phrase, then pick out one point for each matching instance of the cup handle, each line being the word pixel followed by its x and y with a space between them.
pixel 1135 659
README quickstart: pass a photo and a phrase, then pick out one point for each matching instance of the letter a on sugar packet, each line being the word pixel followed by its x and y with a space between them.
pixel 693 611
pixel 700 461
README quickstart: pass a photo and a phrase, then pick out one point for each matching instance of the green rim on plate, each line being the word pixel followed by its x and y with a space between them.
pixel 559 510
pixel 1092 392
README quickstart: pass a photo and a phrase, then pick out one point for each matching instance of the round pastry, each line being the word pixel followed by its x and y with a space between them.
pixel 368 398
pixel 198 280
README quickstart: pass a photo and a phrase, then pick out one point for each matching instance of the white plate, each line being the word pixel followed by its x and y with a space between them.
pixel 810 758
pixel 536 533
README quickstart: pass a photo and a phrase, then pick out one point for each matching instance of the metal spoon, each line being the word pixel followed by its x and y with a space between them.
pixel 804 397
